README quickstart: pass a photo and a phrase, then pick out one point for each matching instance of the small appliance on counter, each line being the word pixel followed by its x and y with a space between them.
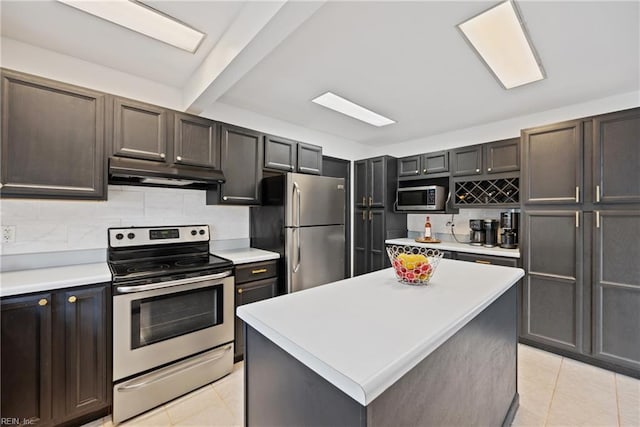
pixel 490 232
pixel 476 236
pixel 509 222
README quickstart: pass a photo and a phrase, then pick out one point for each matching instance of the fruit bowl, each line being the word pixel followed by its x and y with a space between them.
pixel 413 265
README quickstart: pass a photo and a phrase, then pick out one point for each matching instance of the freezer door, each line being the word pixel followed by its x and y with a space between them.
pixel 314 256
pixel 314 200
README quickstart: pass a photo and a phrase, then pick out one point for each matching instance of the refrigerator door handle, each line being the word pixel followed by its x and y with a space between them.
pixel 297 266
pixel 296 188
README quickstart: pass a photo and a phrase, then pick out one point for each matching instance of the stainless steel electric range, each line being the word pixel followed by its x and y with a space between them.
pixel 172 315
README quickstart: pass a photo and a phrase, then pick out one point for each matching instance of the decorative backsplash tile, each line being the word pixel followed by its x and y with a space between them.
pixel 55 225
pixel 415 222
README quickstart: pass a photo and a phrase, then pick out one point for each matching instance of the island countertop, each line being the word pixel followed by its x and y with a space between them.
pixel 363 334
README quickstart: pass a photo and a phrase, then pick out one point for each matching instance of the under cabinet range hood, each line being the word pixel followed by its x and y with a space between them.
pixel 123 171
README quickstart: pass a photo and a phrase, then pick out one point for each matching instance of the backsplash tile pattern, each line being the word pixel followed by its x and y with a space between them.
pixel 415 222
pixel 56 225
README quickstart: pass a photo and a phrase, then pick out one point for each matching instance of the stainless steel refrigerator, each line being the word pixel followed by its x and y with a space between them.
pixel 302 217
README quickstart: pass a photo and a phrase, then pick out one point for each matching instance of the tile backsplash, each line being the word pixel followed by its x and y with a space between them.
pixel 56 225
pixel 415 222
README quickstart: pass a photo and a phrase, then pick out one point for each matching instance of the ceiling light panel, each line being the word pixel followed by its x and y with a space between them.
pixel 144 20
pixel 500 40
pixel 344 106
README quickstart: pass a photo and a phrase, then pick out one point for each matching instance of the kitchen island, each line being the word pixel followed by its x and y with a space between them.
pixel 369 351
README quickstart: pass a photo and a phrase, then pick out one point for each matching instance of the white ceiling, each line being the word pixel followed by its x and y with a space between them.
pixel 405 60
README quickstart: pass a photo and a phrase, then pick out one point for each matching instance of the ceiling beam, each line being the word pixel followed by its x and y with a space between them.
pixel 258 29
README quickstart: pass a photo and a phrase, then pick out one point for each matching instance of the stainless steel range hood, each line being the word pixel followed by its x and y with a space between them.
pixel 123 171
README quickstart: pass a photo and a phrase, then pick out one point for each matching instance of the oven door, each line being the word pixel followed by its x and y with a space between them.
pixel 162 322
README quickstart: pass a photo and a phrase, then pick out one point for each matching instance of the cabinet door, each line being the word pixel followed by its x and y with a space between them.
pixel 553 286
pixel 617 157
pixel 246 294
pixel 377 182
pixel 552 163
pixel 502 156
pixel 280 153
pixel 242 166
pixel 139 130
pixel 26 371
pixel 360 242
pixel 435 162
pixel 409 166
pixel 309 159
pixel 86 349
pixel 467 160
pixel 360 185
pixel 617 287
pixel 196 141
pixel 378 258
pixel 52 139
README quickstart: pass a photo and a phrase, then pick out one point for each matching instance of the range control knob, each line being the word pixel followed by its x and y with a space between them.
pixel 201 232
pixel 131 235
pixel 194 232
pixel 119 236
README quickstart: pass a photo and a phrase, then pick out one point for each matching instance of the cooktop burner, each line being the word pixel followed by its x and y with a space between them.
pixel 147 267
pixel 142 269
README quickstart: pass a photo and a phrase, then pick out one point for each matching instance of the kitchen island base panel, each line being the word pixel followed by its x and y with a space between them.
pixel 468 380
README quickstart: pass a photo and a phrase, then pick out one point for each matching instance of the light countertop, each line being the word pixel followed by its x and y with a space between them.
pixel 363 334
pixel 47 279
pixel 458 247
pixel 246 255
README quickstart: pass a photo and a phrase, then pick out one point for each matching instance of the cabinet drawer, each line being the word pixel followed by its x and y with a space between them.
pixel 488 259
pixel 256 271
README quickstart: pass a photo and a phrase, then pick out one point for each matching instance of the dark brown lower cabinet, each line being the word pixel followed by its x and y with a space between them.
pixel 55 356
pixel 254 282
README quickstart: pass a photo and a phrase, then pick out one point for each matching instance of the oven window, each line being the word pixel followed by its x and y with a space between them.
pixel 412 198
pixel 168 316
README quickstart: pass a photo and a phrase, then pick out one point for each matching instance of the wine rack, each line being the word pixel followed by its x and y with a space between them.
pixel 503 191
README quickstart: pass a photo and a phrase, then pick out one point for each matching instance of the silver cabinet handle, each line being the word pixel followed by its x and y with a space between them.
pixel 178 158
pixel 162 155
pixel 488 169
pixel 597 193
pixel 597 219
pixel 364 215
pixel 577 194
pixel 169 372
pixel 477 170
pixel 162 285
pixel 577 219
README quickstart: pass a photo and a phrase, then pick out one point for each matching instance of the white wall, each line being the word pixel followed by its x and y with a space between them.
pixel 508 128
pixel 57 225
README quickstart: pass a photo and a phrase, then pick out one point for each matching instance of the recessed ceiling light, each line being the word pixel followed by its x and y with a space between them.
pixel 144 20
pixel 344 106
pixel 502 43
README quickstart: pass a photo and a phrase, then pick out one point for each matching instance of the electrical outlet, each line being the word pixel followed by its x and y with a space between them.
pixel 8 233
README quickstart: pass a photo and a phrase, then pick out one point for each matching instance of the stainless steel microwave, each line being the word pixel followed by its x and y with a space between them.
pixel 424 198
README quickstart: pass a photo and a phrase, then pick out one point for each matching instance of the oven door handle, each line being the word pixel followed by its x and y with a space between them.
pixel 175 370
pixel 161 285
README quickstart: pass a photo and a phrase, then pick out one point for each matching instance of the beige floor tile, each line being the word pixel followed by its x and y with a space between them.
pixel 155 418
pixel 192 404
pixel 584 396
pixel 217 416
pixel 231 390
pixel 525 417
pixel 94 423
pixel 628 400
pixel 538 366
pixel 107 421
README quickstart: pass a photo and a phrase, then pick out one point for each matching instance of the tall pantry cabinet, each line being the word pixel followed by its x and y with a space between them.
pixel 374 219
pixel 581 225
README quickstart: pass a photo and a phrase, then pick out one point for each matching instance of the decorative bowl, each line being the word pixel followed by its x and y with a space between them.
pixel 414 265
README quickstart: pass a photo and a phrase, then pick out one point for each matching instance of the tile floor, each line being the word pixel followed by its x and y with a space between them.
pixel 554 391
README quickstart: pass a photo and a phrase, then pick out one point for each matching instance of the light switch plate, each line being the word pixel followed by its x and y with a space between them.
pixel 8 233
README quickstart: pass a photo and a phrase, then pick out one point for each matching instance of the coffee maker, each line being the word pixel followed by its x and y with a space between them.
pixel 476 236
pixel 490 233
pixel 509 222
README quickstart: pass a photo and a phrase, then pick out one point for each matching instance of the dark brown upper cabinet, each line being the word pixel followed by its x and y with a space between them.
pixel 309 158
pixel 502 156
pixel 196 141
pixel 280 153
pixel 52 139
pixel 467 160
pixel 140 130
pixel 552 164
pixel 616 173
pixel 242 159
pixel 424 164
